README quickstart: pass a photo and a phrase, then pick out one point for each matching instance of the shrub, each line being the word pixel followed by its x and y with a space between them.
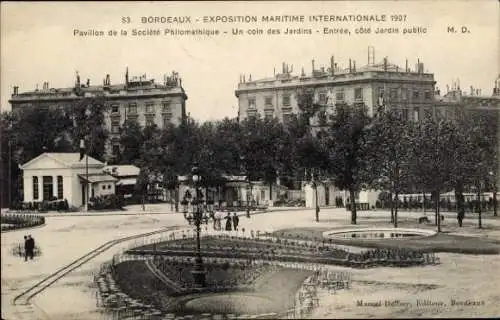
pixel 106 202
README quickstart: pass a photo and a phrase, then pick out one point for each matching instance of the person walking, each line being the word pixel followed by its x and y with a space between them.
pixel 236 220
pixel 228 221
pixel 31 246
pixel 26 248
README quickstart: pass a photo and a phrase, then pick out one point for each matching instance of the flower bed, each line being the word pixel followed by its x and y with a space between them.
pixel 20 221
pixel 289 251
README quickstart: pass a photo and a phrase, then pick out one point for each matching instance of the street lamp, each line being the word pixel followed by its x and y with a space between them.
pixel 249 187
pixel 315 187
pixel 196 218
pixel 249 196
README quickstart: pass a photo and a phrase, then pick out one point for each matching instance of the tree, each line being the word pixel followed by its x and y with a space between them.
pixel 345 143
pixel 388 151
pixel 433 155
pixel 28 133
pixel 88 116
pixel 131 141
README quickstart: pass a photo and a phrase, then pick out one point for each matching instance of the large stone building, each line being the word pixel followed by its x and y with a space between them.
pixel 409 90
pixel 136 98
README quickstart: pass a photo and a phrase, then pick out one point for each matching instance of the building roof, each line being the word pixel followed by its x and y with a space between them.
pixel 67 160
pixel 122 170
pixel 97 177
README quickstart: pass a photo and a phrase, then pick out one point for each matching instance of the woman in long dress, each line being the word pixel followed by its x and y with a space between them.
pixel 228 222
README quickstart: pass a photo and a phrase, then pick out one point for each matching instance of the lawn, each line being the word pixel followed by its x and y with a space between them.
pixel 440 242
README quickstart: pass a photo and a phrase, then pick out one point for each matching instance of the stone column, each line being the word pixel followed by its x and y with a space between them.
pixel 40 188
pixel 54 186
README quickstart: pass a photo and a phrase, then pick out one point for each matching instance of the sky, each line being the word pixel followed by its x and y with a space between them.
pixel 38 44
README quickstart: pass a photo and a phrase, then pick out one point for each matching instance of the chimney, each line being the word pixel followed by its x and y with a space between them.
pixel 274 71
pixel 406 68
pixel 354 65
pixel 283 68
pixel 250 78
pixel 350 65
pixel 302 74
pixel 332 65
pixel 385 64
pixel 16 89
pixel 313 66
pixel 471 90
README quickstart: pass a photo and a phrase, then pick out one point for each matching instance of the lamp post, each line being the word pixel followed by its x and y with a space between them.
pixel 245 168
pixel 494 183
pixel 315 187
pixel 249 196
pixel 197 218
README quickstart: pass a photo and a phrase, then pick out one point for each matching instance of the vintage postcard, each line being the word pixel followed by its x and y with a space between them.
pixel 250 159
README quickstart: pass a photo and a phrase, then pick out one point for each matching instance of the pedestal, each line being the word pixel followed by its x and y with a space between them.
pixel 199 274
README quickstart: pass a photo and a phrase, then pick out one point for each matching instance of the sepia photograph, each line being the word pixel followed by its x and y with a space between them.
pixel 250 159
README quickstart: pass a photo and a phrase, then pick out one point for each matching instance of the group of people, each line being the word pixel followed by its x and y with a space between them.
pixel 29 247
pixel 231 221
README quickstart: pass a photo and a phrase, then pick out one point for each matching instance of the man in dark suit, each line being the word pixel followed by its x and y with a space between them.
pixel 31 246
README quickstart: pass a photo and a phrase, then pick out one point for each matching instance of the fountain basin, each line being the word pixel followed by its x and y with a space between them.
pixel 377 233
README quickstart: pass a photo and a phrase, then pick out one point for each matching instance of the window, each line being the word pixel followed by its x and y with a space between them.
pixel 416 94
pixel 167 119
pixel 286 100
pixel 268 114
pixel 115 108
pixel 394 94
pixel 116 150
pixel 166 107
pixel 404 94
pixel 358 94
pixel 268 101
pixel 132 108
pixel 150 107
pixel 252 113
pixel 381 92
pixel 322 98
pixel 150 121
pixel 339 95
pixel 404 114
pixel 263 194
pixel 415 114
pixel 104 187
pixel 48 191
pixel 60 193
pixel 427 95
pixel 115 126
pixel 251 103
pixel 35 188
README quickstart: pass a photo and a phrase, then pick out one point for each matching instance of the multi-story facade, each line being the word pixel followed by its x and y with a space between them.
pixel 137 98
pixel 410 91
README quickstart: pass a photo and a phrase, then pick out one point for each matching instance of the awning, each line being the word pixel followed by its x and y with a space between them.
pixel 126 182
pixel 97 177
